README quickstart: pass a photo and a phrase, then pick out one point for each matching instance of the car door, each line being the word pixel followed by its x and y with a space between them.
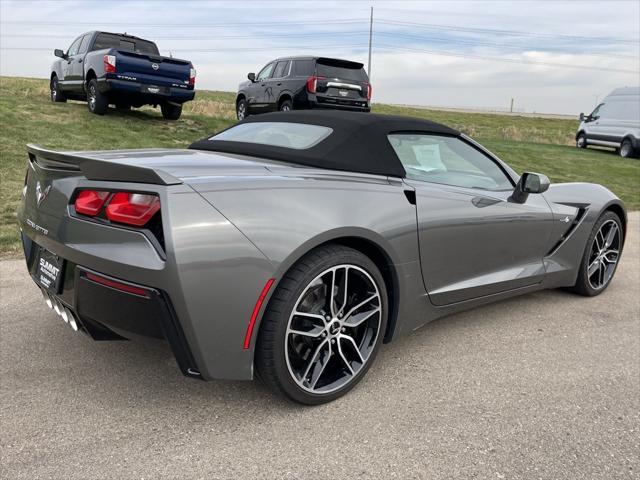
pixel 68 82
pixel 256 97
pixel 473 240
pixel 76 67
pixel 592 125
pixel 276 84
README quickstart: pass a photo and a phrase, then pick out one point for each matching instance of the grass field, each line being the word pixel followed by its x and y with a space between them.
pixel 27 116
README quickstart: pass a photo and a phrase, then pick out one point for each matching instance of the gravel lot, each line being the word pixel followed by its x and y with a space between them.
pixel 545 386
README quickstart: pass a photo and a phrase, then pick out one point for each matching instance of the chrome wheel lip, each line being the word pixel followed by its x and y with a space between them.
pixel 334 328
pixel 604 255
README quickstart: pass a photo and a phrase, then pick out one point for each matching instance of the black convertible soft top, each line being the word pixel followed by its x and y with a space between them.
pixel 358 143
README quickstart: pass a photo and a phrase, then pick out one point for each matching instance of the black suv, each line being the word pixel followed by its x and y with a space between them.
pixel 295 83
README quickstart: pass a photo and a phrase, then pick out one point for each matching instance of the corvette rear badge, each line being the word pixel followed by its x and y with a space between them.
pixel 40 193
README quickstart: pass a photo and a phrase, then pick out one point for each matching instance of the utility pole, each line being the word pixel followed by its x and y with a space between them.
pixel 511 109
pixel 370 37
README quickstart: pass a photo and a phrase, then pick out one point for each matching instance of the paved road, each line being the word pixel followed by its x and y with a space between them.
pixel 546 386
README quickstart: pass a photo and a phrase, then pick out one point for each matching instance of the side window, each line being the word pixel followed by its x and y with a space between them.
pixel 282 69
pixel 303 68
pixel 596 113
pixel 85 43
pixel 265 72
pixel 73 49
pixel 448 161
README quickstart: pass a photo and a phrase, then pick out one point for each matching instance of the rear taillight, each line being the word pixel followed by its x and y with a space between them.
pixel 132 208
pixel 369 89
pixel 90 202
pixel 312 83
pixel 192 76
pixel 122 207
pixel 109 63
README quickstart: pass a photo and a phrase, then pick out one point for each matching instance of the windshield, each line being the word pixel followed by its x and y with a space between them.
pixel 131 44
pixel 297 136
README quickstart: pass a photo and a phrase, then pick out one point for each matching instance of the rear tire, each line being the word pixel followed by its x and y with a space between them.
pixel 626 149
pixel 581 141
pixel 171 111
pixel 323 351
pixel 97 102
pixel 286 106
pixel 601 256
pixel 57 95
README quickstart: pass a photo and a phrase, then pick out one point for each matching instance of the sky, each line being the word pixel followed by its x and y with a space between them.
pixel 548 56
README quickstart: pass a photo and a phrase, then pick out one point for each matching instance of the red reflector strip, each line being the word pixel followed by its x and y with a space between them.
pixel 254 314
pixel 124 287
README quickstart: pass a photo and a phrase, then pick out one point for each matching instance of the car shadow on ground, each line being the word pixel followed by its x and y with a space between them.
pixel 149 366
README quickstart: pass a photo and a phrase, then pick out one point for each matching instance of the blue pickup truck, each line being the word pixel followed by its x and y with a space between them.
pixel 112 68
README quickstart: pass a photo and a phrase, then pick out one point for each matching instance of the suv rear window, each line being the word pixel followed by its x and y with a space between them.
pixel 341 70
pixel 298 136
pixel 137 45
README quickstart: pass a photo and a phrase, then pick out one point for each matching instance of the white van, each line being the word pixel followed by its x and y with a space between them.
pixel 614 123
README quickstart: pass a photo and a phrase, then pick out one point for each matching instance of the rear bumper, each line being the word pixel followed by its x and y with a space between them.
pixel 139 91
pixel 107 313
pixel 311 101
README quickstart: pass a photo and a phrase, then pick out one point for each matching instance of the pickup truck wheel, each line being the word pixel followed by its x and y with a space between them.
pixel 170 111
pixel 56 93
pixel 96 101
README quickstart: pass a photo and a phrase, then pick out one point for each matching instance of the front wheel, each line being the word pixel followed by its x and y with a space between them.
pixel 601 256
pixel 581 141
pixel 96 100
pixel 323 326
pixel 242 109
pixel 56 94
pixel 171 111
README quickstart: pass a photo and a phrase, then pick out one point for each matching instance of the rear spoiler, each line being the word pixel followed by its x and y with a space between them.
pixel 98 169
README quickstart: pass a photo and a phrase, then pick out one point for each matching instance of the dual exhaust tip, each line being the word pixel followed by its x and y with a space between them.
pixel 63 312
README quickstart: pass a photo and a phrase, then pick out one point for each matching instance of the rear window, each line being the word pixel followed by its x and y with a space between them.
pixel 298 136
pixel 303 68
pixel 343 71
pixel 109 40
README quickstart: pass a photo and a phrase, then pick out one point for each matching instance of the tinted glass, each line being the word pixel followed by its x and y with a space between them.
pixel 341 71
pixel 85 43
pixel 282 68
pixel 108 40
pixel 447 160
pixel 73 49
pixel 303 68
pixel 297 136
pixel 265 72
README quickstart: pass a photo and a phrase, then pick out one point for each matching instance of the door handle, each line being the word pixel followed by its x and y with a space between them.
pixel 262 84
pixel 278 84
pixel 80 61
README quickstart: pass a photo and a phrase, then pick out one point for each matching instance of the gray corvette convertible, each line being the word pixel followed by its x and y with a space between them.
pixel 292 245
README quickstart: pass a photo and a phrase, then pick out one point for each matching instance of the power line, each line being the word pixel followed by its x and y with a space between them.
pixel 507 60
pixel 504 32
pixel 190 24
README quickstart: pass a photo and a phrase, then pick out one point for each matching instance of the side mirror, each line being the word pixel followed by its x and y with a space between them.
pixel 529 183
pixel 59 53
pixel 252 76
pixel 582 117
